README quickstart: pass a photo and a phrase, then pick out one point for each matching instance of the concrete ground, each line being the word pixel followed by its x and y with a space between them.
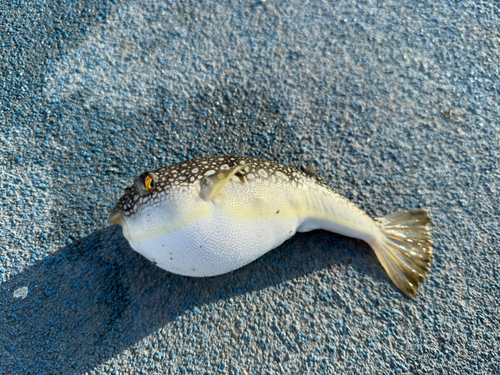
pixel 395 103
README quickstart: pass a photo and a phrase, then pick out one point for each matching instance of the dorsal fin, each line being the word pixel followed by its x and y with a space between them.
pixel 211 185
pixel 311 171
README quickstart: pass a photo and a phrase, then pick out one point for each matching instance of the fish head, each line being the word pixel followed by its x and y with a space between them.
pixel 160 202
pixel 147 206
pixel 135 198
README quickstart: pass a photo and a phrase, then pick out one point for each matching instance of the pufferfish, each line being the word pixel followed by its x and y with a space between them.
pixel 212 215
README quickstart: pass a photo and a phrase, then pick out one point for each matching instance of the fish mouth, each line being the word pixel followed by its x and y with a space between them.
pixel 116 217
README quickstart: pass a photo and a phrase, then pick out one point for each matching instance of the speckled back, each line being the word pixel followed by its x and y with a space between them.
pixel 182 178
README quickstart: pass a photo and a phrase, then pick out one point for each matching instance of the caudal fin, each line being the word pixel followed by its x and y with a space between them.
pixel 406 248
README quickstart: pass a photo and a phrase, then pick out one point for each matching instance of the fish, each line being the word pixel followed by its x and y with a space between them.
pixel 212 215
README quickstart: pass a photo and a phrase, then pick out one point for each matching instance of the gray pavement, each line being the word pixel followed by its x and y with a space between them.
pixel 92 93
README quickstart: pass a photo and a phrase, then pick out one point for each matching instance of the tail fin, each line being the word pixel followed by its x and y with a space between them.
pixel 406 248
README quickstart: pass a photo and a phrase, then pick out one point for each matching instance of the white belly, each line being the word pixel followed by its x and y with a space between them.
pixel 216 244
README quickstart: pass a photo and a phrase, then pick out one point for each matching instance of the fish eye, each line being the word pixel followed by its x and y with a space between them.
pixel 145 183
pixel 149 183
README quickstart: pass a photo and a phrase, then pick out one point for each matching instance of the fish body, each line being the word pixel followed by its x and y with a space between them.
pixel 210 216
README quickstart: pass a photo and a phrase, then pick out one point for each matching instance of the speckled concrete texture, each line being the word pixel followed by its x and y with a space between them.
pixel 395 103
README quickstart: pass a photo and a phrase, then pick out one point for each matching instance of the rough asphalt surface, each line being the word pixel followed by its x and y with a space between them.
pixel 92 93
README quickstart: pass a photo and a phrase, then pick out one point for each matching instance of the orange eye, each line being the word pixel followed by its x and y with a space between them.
pixel 149 183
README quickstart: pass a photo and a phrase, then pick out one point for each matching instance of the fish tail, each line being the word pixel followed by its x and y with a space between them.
pixel 405 248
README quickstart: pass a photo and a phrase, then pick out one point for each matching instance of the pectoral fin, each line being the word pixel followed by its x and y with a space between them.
pixel 211 185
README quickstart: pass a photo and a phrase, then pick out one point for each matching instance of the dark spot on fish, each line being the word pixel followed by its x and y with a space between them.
pixel 241 177
pixel 277 212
